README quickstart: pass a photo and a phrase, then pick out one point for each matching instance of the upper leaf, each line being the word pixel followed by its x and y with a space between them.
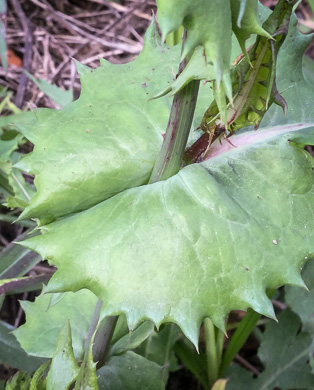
pixel 245 21
pixel 121 153
pixel 104 142
pixel 208 24
pixel 208 240
pixel 291 85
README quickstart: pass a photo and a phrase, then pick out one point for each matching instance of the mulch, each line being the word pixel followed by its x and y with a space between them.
pixel 45 36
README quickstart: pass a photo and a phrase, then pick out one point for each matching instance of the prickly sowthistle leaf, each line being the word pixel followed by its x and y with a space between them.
pixel 253 79
pixel 210 239
pixel 81 152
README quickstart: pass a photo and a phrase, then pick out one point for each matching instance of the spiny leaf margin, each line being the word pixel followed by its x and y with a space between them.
pixel 81 151
pixel 217 236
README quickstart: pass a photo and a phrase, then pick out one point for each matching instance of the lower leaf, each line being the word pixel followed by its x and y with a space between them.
pixel 208 240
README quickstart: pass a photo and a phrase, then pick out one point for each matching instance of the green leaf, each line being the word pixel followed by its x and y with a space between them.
pixel 86 378
pixel 17 192
pixel 284 353
pixel 291 85
pixel 115 123
pixel 12 354
pixel 193 361
pixel 159 348
pixel 7 147
pixel 218 235
pixel 121 329
pixel 23 191
pixel 39 337
pixel 308 70
pixel 208 24
pixel 134 339
pixel 212 32
pixel 58 95
pixel 130 372
pixel 253 79
pixel 38 381
pixel 17 261
pixel 20 381
pixel 301 300
pixel 245 21
pixel 211 239
pixel 10 122
pixel 64 368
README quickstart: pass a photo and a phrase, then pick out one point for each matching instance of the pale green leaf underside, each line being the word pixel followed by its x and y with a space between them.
pixel 208 240
pixel 81 152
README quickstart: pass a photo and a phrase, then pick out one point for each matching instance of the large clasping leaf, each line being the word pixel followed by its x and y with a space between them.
pixel 210 239
pixel 104 142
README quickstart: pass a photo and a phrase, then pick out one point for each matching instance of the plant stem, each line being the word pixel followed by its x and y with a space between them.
pixel 183 106
pixel 93 324
pixel 175 37
pixel 103 338
pixel 2 296
pixel 212 352
pixel 168 164
pixel 166 362
pixel 220 337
